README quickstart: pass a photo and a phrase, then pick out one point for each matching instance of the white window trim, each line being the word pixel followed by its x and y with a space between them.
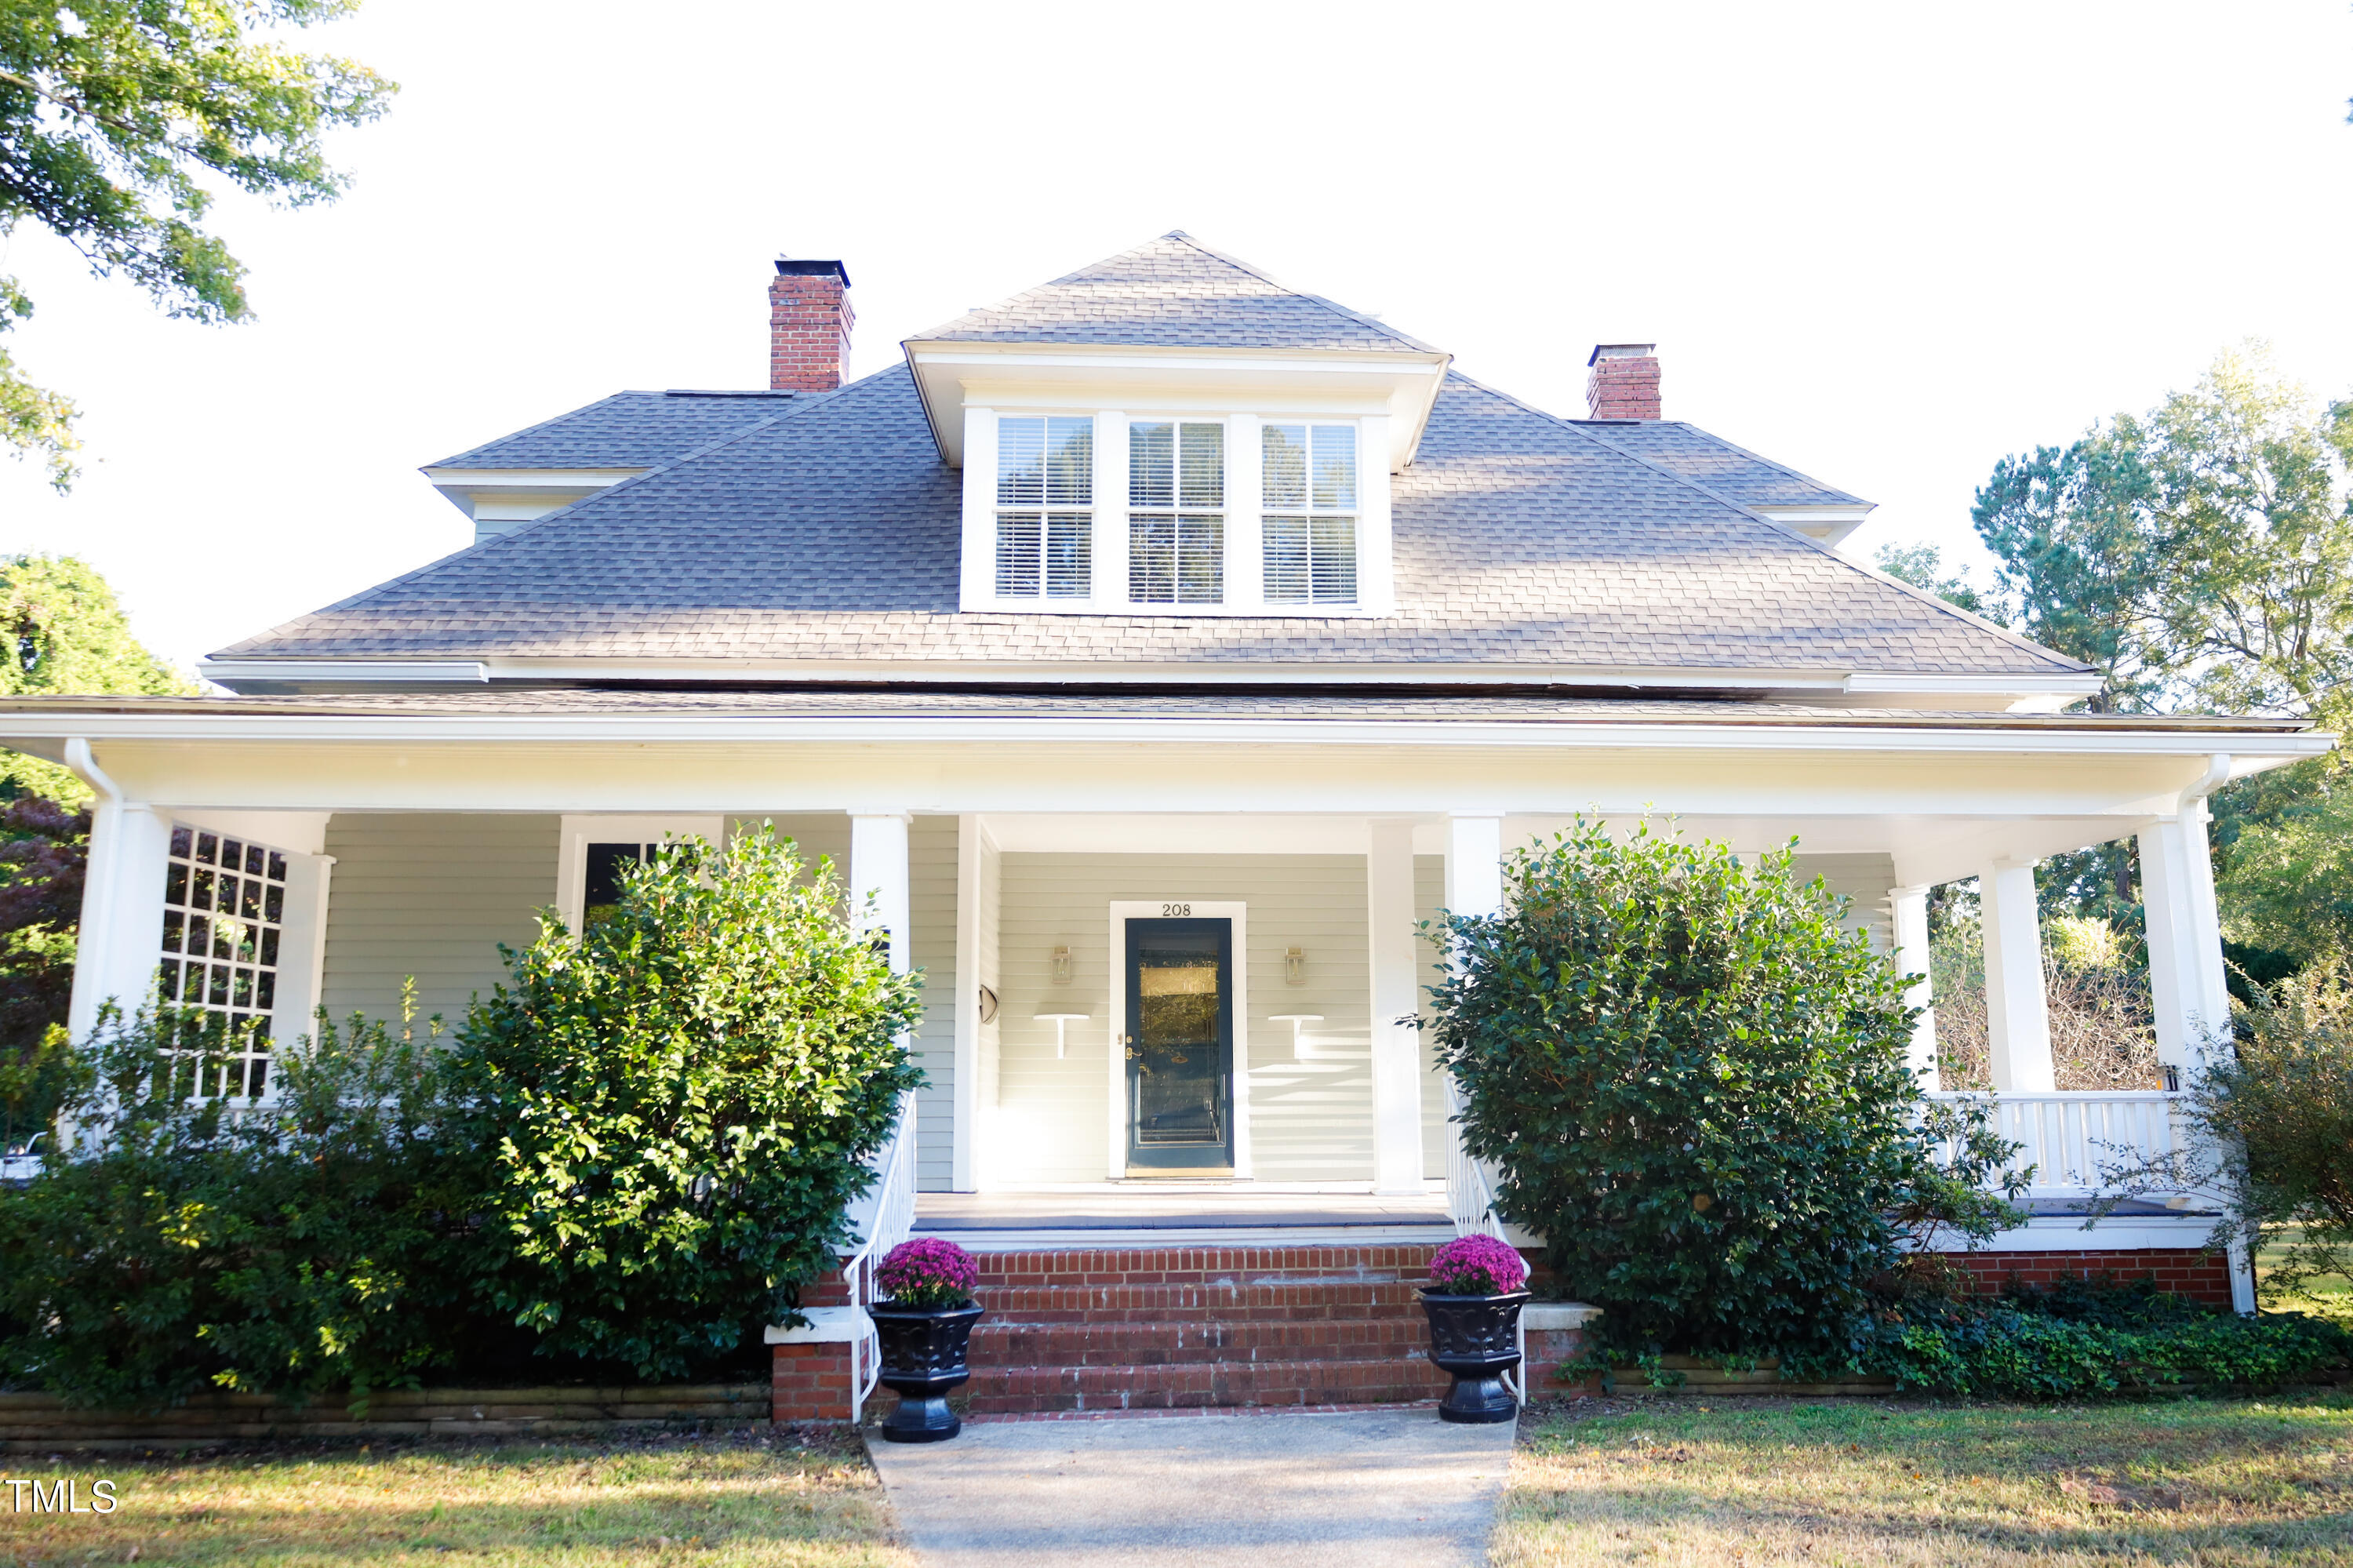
pixel 1245 558
pixel 579 832
pixel 1121 912
pixel 1308 509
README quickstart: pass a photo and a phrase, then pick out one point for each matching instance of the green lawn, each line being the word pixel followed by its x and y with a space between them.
pixel 716 1502
pixel 1866 1482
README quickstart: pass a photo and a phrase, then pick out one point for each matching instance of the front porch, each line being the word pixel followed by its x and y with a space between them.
pixel 1283 861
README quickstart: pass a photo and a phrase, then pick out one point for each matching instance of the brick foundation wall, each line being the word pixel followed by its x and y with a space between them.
pixel 2200 1276
pixel 809 1382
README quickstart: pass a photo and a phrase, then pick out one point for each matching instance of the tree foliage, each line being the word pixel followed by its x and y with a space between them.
pixel 1691 1080
pixel 118 116
pixel 677 1103
pixel 2199 554
pixel 63 631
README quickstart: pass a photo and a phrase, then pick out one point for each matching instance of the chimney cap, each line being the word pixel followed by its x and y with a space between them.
pixel 790 267
pixel 1622 351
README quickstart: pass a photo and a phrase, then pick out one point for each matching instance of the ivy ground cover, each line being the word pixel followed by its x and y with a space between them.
pixel 1860 1483
pixel 752 1501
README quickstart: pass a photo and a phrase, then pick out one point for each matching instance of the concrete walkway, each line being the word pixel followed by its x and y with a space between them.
pixel 1360 1489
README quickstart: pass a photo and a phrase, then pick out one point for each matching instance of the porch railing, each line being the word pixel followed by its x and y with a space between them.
pixel 1471 1205
pixel 2070 1136
pixel 889 1218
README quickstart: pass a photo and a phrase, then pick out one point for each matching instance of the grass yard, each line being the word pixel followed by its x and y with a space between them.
pixel 715 1502
pixel 1863 1482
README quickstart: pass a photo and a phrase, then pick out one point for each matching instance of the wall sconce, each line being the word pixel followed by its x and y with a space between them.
pixel 1058 967
pixel 1294 968
pixel 987 1005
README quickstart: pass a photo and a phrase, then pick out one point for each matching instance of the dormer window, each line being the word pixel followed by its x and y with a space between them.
pixel 1185 510
pixel 1309 524
pixel 1044 507
pixel 1177 512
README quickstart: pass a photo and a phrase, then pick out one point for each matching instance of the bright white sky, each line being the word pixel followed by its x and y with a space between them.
pixel 1883 244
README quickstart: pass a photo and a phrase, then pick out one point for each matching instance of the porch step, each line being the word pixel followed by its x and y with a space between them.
pixel 1161 1328
pixel 1176 1342
pixel 1004 1391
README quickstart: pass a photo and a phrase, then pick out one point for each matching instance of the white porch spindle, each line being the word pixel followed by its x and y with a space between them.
pixel 1396 1054
pixel 121 912
pixel 1910 907
pixel 879 866
pixel 2018 1017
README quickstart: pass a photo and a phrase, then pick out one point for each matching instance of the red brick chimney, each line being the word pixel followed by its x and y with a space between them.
pixel 808 325
pixel 1625 382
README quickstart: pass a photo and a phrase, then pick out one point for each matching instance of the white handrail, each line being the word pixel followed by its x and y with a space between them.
pixel 1471 1205
pixel 889 1218
pixel 2068 1135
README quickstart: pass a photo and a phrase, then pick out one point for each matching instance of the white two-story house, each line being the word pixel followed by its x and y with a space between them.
pixel 1157 647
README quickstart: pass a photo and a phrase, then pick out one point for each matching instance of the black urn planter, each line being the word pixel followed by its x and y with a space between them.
pixel 922 1358
pixel 1477 1339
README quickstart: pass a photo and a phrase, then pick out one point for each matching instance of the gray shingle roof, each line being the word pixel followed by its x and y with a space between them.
pixel 1174 292
pixel 831 531
pixel 1729 470
pixel 628 430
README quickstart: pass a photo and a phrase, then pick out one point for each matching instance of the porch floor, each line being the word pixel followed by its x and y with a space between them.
pixel 1135 1214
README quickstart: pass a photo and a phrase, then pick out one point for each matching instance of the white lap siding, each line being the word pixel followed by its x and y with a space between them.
pixel 1311 1120
pixel 1865 881
pixel 430 894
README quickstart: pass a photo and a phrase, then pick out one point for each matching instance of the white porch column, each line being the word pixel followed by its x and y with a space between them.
pixel 302 959
pixel 1397 1053
pixel 1474 862
pixel 2017 1018
pixel 1910 906
pixel 2187 981
pixel 878 866
pixel 963 1162
pixel 121 939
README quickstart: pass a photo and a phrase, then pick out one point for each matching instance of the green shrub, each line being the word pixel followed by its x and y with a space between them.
pixel 675 1106
pixel 2019 1346
pixel 1692 1083
pixel 288 1250
pixel 2271 1121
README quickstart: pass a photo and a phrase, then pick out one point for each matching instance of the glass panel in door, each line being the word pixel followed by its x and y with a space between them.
pixel 1180 1020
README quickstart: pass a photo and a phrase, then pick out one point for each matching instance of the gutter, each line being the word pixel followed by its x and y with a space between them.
pixel 83 765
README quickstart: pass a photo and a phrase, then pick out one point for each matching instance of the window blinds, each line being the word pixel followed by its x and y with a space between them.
pixel 1175 518
pixel 1045 496
pixel 1309 478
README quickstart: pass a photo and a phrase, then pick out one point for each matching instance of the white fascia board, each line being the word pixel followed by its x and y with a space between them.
pixel 1829 523
pixel 231 672
pixel 2248 752
pixel 468 489
pixel 1402 384
pixel 1060 672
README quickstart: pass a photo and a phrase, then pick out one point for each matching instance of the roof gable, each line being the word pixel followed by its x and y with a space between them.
pixel 1173 293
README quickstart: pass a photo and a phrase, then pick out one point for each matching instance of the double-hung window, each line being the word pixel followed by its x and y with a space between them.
pixel 1309 525
pixel 1176 512
pixel 1045 506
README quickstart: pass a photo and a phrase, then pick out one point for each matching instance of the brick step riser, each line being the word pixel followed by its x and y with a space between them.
pixel 1155 1303
pixel 1004 1391
pixel 1146 1344
pixel 1199 1265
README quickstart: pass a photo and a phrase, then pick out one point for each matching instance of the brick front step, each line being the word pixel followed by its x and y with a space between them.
pixel 1204 1265
pixel 1002 1389
pixel 1199 1303
pixel 1171 1341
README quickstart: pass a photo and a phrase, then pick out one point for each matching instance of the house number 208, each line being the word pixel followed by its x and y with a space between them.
pixel 1171 910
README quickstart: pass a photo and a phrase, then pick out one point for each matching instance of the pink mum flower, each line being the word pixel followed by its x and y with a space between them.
pixel 1476 1265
